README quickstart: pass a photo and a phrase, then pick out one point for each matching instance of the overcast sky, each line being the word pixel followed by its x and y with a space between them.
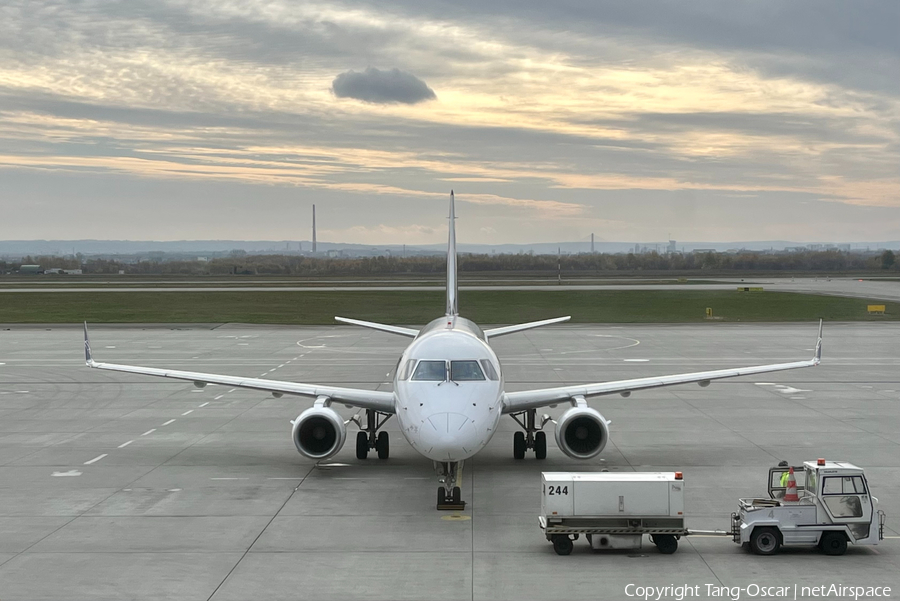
pixel 228 119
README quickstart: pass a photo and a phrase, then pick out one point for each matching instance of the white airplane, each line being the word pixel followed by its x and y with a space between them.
pixel 449 396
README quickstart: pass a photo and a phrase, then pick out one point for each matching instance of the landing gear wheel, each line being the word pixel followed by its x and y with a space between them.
pixel 519 445
pixel 833 543
pixel 362 445
pixel 666 543
pixel 441 496
pixel 383 445
pixel 540 445
pixel 562 544
pixel 457 495
pixel 765 541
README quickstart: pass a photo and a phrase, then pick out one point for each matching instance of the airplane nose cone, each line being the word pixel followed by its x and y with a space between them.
pixel 450 436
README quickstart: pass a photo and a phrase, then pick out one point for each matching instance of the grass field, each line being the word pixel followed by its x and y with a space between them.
pixel 413 307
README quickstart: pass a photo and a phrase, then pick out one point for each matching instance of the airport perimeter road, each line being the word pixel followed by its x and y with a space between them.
pixel 123 487
pixel 850 287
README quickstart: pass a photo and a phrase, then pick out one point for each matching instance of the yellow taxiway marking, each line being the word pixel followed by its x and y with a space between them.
pixel 455 517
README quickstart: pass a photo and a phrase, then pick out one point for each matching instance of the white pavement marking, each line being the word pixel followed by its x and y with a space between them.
pixel 69 473
pixel 206 403
pixel 232 390
pixel 271 370
pixel 188 411
pixel 168 422
pixel 217 398
pixel 637 360
pixel 125 444
pixel 151 431
pixel 96 459
pixel 783 388
pixel 282 365
pixel 284 478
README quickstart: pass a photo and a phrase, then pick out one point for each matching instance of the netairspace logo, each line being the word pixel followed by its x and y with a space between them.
pixel 754 591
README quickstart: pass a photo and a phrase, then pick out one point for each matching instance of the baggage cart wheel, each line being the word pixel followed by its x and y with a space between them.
pixel 765 540
pixel 833 543
pixel 519 445
pixel 383 445
pixel 540 445
pixel 362 445
pixel 562 544
pixel 666 543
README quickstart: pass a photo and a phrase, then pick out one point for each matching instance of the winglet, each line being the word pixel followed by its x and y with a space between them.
pixel 88 359
pixel 818 357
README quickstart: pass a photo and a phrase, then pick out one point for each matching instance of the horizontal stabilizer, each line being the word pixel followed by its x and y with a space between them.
pixel 523 326
pixel 380 326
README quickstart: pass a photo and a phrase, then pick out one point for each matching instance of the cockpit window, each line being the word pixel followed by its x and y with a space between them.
pixel 407 370
pixel 461 371
pixel 431 371
pixel 489 370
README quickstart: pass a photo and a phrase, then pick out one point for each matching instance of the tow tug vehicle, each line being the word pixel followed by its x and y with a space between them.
pixel 823 503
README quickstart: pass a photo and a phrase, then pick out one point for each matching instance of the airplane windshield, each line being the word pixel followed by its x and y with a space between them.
pixel 431 371
pixel 461 371
pixel 489 370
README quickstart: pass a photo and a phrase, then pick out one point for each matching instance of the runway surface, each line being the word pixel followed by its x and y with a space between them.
pixel 851 287
pixel 124 487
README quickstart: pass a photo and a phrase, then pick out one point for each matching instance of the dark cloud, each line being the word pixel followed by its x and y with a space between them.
pixel 382 87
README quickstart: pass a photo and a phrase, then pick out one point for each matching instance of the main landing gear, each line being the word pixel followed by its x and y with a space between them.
pixel 450 476
pixel 369 436
pixel 533 437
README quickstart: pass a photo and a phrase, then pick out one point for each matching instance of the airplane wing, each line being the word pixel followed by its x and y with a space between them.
pixel 380 326
pixel 364 399
pixel 533 399
pixel 494 332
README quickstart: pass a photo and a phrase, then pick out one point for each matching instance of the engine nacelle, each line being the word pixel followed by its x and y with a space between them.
pixel 319 433
pixel 581 432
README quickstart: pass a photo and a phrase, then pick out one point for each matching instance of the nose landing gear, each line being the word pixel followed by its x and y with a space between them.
pixel 533 436
pixel 448 494
pixel 369 436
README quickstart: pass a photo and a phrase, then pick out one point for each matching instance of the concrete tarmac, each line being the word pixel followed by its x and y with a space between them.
pixel 115 486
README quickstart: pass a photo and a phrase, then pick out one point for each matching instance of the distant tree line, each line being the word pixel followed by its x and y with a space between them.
pixel 580 264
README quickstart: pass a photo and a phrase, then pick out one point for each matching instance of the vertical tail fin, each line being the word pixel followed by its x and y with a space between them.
pixel 452 288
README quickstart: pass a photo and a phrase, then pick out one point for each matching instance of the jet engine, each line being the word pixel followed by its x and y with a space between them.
pixel 581 432
pixel 319 433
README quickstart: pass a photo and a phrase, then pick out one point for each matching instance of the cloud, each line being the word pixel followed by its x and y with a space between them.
pixel 550 115
pixel 382 87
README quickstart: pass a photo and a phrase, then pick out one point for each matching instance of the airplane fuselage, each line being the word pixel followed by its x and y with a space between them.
pixel 449 390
